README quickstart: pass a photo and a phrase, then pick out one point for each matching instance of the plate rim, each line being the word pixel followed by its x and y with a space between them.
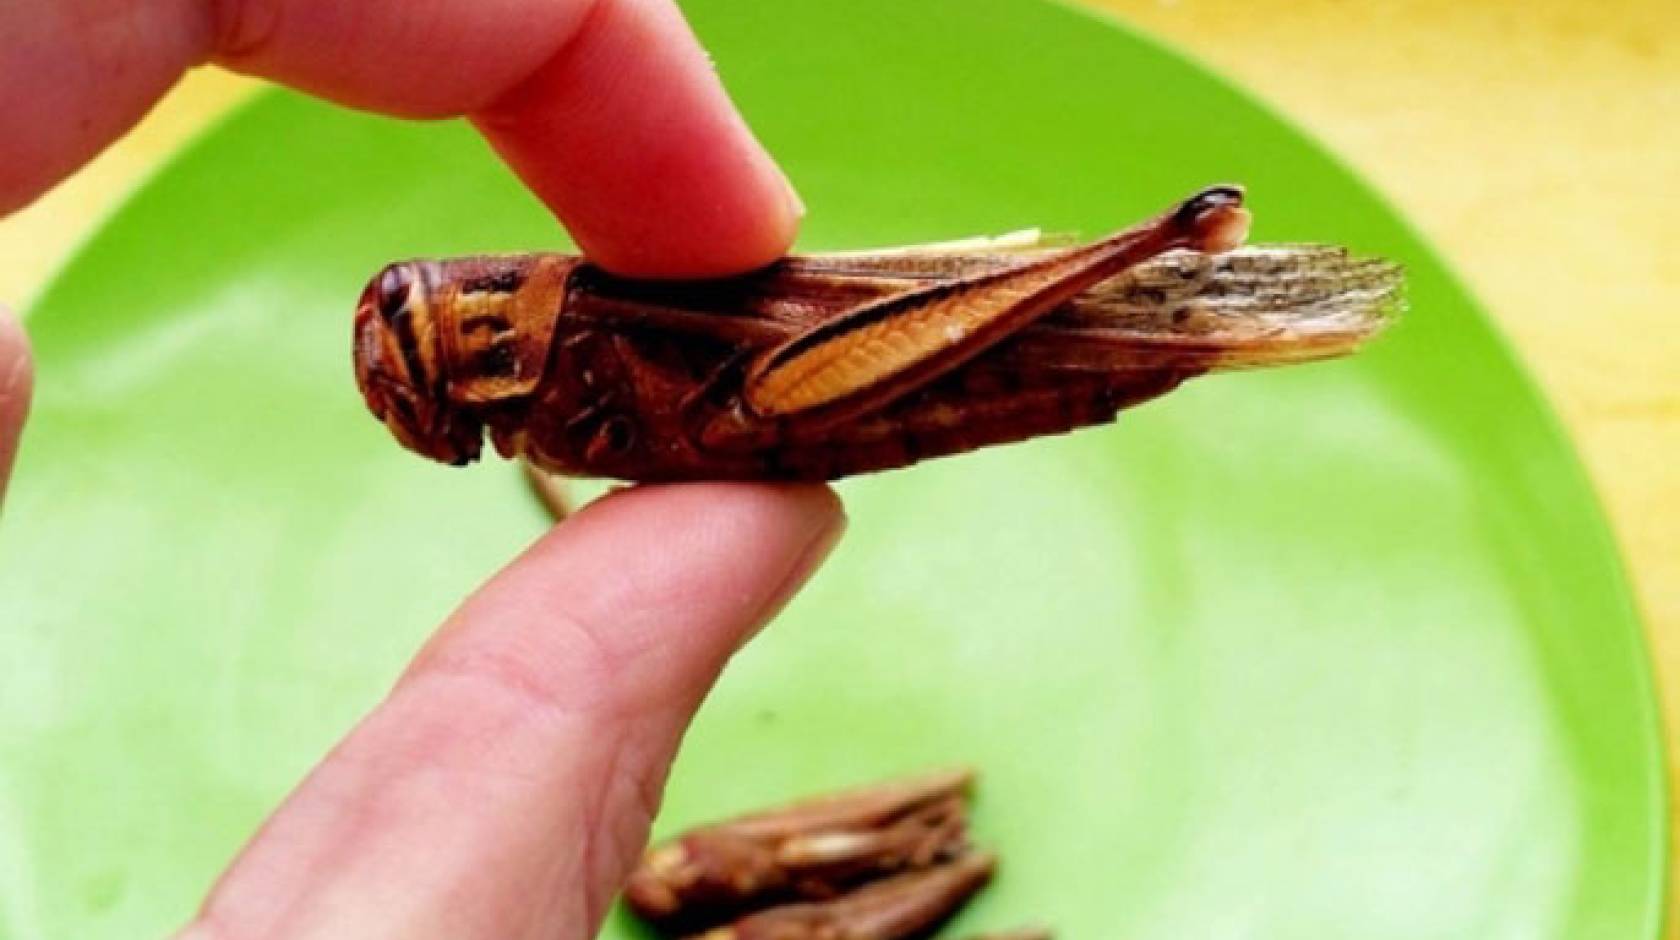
pixel 1569 460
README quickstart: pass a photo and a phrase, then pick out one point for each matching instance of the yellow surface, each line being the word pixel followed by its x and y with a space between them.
pixel 1537 143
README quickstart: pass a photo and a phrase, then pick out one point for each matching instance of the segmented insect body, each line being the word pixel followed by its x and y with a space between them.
pixel 879 862
pixel 821 366
pixel 815 849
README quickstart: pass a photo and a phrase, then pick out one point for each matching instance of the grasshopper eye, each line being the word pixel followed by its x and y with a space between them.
pixel 391 291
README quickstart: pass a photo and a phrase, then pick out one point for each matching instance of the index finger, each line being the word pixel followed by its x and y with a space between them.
pixel 608 109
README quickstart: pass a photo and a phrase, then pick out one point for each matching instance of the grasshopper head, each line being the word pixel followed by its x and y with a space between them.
pixel 399 367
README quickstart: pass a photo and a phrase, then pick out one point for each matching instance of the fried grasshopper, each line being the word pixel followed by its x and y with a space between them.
pixel 906 905
pixel 814 849
pixel 821 366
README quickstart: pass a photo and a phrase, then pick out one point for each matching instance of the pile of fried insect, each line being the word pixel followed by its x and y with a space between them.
pixel 878 863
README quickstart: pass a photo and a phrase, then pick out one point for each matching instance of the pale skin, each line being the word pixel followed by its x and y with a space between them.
pixel 504 787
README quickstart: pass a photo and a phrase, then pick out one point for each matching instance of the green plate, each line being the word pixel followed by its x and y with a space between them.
pixel 1335 651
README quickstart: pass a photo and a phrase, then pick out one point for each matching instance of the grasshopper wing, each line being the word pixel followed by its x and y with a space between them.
pixel 859 360
pixel 1259 306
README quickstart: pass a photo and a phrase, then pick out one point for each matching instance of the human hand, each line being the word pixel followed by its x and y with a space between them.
pixel 507 782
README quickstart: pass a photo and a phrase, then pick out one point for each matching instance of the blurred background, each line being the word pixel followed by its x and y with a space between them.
pixel 1534 144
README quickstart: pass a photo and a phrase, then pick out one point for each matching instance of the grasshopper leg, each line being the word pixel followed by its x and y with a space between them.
pixel 860 360
pixel 549 490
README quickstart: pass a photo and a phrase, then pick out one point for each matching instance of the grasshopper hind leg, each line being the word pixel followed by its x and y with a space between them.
pixel 976 407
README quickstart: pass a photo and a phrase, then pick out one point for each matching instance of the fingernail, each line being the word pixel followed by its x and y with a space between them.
pixel 804 565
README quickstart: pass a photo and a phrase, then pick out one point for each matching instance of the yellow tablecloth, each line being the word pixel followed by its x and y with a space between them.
pixel 1535 143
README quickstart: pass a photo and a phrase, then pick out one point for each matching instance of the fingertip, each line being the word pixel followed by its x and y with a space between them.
pixel 642 595
pixel 696 246
pixel 744 549
pixel 629 136
pixel 725 209
pixel 739 550
pixel 796 508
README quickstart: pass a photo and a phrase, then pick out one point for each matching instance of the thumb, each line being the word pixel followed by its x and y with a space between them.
pixel 15 382
pixel 505 787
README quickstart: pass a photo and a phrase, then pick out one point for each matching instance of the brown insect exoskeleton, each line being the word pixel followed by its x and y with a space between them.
pixel 879 862
pixel 907 905
pixel 826 365
pixel 813 850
